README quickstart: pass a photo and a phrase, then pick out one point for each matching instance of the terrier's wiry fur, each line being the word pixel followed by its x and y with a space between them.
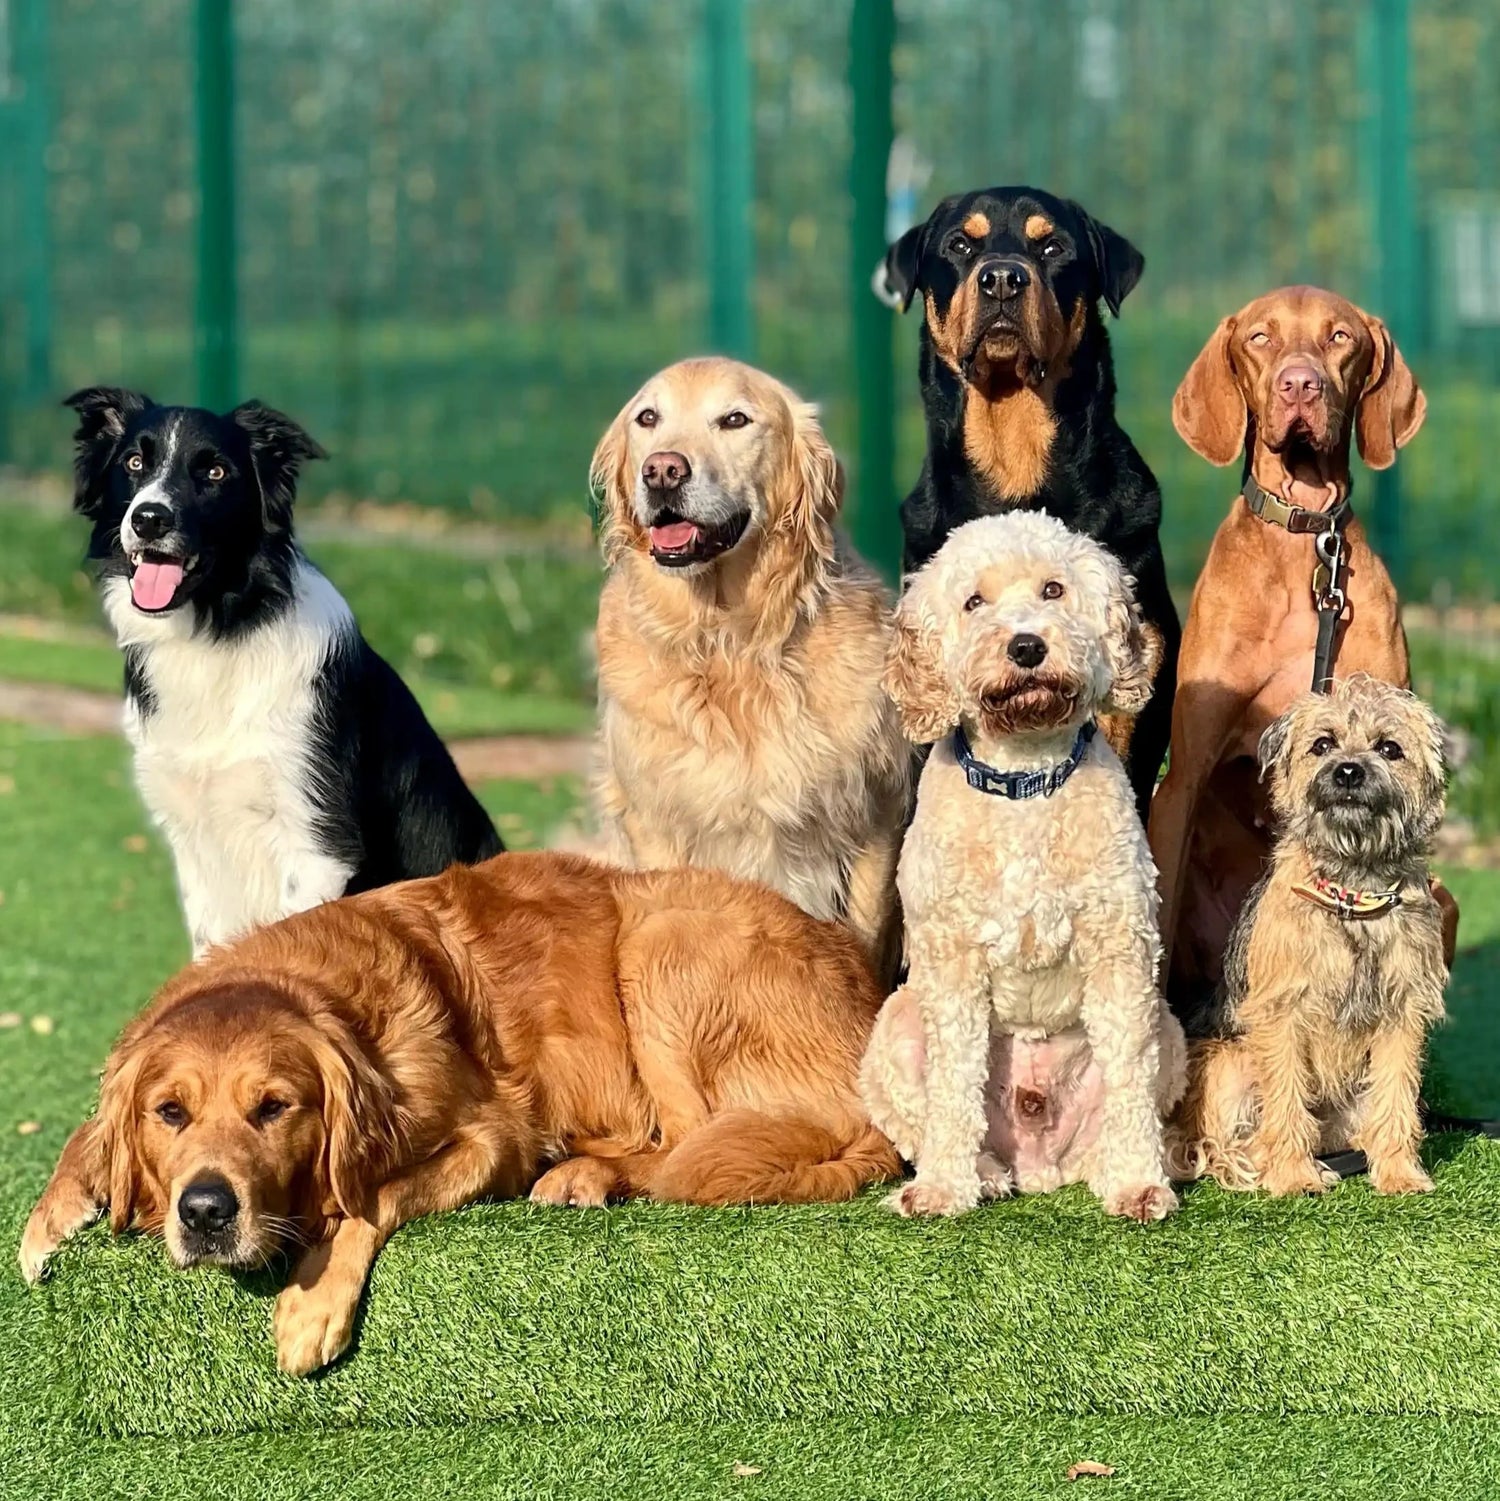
pixel 1029 1046
pixel 1316 1038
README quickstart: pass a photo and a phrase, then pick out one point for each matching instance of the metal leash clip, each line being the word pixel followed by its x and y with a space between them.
pixel 1327 592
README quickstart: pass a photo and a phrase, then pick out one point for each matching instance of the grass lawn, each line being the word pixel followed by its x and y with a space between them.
pixel 1349 1347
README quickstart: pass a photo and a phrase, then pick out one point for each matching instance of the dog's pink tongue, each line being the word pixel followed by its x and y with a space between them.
pixel 152 585
pixel 677 535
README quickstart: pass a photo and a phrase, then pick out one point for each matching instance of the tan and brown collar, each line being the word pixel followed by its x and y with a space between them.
pixel 1279 511
pixel 1345 902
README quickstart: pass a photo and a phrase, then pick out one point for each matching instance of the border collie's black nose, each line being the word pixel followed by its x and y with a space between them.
pixel 152 521
pixel 1026 650
pixel 1348 775
pixel 1003 279
pixel 207 1205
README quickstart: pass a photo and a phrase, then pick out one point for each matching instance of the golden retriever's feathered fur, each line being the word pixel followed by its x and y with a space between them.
pixel 742 722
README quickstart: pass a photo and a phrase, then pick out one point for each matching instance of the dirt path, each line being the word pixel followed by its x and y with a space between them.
pixel 76 711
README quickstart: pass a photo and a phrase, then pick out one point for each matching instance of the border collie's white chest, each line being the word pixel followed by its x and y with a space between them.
pixel 226 756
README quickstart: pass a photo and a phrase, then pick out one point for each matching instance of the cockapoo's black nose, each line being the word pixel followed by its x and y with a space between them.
pixel 1027 650
pixel 1348 775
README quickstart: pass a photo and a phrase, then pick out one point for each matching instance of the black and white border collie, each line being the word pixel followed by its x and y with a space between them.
pixel 285 761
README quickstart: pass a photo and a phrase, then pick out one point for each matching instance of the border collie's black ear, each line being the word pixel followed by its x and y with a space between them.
pixel 279 448
pixel 103 412
pixel 895 280
pixel 1117 263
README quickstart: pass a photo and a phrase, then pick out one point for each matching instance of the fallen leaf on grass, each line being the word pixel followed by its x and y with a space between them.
pixel 28 1128
pixel 10 1018
pixel 741 1469
pixel 135 844
pixel 1088 1467
pixel 7 785
pixel 42 1025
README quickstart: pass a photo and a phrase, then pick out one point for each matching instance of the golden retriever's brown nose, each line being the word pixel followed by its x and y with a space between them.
pixel 1299 384
pixel 666 471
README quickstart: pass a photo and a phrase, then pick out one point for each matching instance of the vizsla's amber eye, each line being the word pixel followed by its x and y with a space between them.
pixel 170 1113
pixel 1052 590
pixel 1259 337
pixel 1340 336
pixel 646 417
pixel 1322 745
pixel 973 602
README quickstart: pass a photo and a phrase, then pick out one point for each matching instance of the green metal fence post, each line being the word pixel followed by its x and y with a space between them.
pixel 32 65
pixel 728 179
pixel 873 520
pixel 1393 213
pixel 216 332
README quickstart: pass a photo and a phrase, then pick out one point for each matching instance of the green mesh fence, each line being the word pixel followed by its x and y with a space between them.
pixel 468 228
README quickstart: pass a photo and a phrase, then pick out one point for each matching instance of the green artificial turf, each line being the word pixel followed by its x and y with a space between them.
pixel 1349 1346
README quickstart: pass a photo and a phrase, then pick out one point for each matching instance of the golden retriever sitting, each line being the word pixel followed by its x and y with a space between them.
pixel 537 1022
pixel 741 644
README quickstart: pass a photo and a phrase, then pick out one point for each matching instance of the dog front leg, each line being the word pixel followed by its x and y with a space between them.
pixel 1286 1136
pixel 1390 1129
pixel 75 1196
pixel 871 908
pixel 953 996
pixel 313 1321
pixel 1120 1009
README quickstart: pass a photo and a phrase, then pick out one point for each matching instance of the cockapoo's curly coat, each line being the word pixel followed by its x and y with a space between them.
pixel 1030 1046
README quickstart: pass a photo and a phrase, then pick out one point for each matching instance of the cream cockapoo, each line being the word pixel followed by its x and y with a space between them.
pixel 1030 1046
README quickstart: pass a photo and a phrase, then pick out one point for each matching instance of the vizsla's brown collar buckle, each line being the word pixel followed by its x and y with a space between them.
pixel 1344 901
pixel 1279 510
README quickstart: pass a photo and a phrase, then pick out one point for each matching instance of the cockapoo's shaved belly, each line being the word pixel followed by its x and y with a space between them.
pixel 1042 1107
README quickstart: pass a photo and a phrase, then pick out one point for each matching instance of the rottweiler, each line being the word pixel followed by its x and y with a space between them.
pixel 1019 391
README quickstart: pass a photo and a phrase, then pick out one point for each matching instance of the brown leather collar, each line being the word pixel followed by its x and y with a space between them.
pixel 1298 520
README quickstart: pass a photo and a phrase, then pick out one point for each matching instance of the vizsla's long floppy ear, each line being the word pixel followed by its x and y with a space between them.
pixel 1134 649
pixel 1392 408
pixel 927 701
pixel 360 1122
pixel 118 1144
pixel 102 414
pixel 816 482
pixel 609 484
pixel 1209 410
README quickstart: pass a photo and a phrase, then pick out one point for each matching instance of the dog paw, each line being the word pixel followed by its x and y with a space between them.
pixel 1142 1202
pixel 36 1249
pixel 312 1328
pixel 1286 1181
pixel 919 1198
pixel 58 1216
pixel 579 1183
pixel 1404 1178
pixel 995 1180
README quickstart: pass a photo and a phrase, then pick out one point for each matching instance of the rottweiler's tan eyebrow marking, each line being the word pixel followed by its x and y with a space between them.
pixel 977 226
pixel 1038 227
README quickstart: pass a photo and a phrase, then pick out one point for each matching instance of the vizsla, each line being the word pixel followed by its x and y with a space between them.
pixel 1285 382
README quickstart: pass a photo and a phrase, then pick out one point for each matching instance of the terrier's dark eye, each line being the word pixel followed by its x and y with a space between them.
pixel 170 1113
pixel 1390 750
pixel 646 417
pixel 1052 590
pixel 269 1110
pixel 961 245
pixel 973 602
pixel 1322 745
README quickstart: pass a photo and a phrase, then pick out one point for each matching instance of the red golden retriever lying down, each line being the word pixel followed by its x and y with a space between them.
pixel 536 1022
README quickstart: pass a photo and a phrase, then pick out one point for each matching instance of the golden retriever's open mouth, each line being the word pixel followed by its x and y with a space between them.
pixel 677 542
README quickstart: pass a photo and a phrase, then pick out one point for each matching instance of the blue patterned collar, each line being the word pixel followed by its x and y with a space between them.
pixel 1019 784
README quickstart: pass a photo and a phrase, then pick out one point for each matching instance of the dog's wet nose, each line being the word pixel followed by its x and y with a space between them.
pixel 1299 383
pixel 1348 775
pixel 207 1205
pixel 666 471
pixel 1026 650
pixel 1003 280
pixel 152 521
